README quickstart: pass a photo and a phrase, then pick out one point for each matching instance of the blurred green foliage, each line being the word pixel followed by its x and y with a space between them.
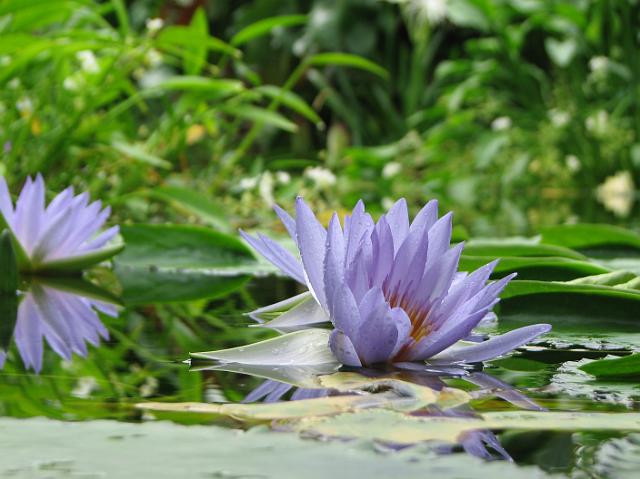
pixel 510 112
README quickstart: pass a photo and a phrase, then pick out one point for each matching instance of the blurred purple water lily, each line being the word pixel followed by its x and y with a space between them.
pixel 63 235
pixel 391 289
pixel 67 321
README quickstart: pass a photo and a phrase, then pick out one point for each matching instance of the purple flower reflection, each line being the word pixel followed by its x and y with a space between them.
pixel 67 322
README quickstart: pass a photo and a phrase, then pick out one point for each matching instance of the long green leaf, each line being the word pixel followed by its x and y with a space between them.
pixel 346 60
pixel 265 26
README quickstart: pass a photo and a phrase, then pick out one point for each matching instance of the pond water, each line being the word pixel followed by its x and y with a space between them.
pixel 116 374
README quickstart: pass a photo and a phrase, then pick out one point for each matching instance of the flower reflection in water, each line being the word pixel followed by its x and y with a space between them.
pixel 480 443
pixel 66 317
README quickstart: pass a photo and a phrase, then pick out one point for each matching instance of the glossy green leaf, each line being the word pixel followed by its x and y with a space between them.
pixel 346 60
pixel 215 88
pixel 199 29
pixel 586 236
pixel 516 247
pixel 265 26
pixel 164 263
pixel 537 268
pixel 626 366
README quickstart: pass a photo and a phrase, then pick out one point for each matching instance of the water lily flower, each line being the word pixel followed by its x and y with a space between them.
pixel 391 289
pixel 63 235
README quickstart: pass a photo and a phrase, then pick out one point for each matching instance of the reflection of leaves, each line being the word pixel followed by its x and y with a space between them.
pixel 391 426
pixel 572 381
pixel 383 393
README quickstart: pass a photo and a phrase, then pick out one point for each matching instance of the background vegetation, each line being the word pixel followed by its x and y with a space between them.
pixel 513 113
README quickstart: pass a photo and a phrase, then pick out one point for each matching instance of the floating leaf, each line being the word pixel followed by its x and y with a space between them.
pixel 542 268
pixel 588 236
pixel 42 447
pixel 628 366
pixel 164 263
pixel 517 247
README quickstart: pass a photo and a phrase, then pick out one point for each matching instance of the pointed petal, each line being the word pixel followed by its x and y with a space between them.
pixel 311 242
pixel 398 218
pixel 494 347
pixel 288 222
pixel 343 349
pixel 334 260
pixel 277 255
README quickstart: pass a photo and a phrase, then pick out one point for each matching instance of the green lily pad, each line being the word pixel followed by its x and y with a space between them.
pixel 592 236
pixel 538 268
pixel 40 447
pixel 628 366
pixel 164 263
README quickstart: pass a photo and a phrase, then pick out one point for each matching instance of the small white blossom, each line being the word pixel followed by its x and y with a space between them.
pixel 5 60
pixel 501 123
pixel 559 118
pixel 71 84
pixel 616 193
pixel 283 177
pixel 248 183
pixel 391 169
pixel 154 24
pixel 25 106
pixel 153 58
pixel 265 187
pixel 598 64
pixel 14 83
pixel 88 61
pixel 322 177
pixel 85 386
pixel 573 163
pixel 597 122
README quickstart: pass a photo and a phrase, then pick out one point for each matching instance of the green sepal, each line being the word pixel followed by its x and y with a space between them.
pixel 77 263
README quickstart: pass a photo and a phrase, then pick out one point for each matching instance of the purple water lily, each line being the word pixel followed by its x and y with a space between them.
pixel 391 289
pixel 67 321
pixel 65 234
